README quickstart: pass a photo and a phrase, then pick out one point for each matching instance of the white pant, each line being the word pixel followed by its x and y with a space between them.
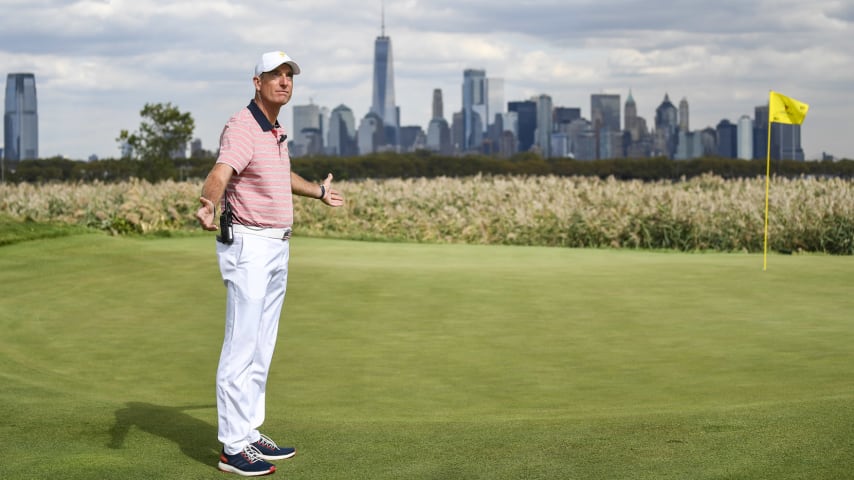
pixel 255 272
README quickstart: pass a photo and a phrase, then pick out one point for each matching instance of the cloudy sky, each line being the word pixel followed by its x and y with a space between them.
pixel 97 62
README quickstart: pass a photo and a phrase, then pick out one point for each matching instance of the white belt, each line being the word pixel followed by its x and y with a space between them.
pixel 277 233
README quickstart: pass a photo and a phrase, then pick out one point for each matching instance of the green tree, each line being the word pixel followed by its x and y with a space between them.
pixel 163 131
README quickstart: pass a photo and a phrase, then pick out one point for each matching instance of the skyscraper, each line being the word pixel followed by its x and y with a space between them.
pixel 21 121
pixel 544 125
pixel 526 112
pixel 438 104
pixel 631 117
pixel 474 108
pixel 745 137
pixel 605 117
pixel 727 139
pixel 684 124
pixel 605 111
pixel 786 142
pixel 341 139
pixel 760 132
pixel 666 125
pixel 495 98
pixel 307 136
pixel 383 101
pixel 438 131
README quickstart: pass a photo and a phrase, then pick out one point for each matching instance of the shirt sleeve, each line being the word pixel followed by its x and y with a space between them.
pixel 235 146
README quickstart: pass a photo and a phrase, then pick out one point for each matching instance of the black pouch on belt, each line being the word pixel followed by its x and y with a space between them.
pixel 225 225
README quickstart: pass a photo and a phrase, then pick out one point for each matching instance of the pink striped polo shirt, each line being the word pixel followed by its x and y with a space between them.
pixel 260 191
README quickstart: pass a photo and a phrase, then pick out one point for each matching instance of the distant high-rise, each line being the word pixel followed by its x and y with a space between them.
pixel 494 98
pixel 21 121
pixel 605 111
pixel 308 130
pixel 745 137
pixel 438 104
pixel 438 130
pixel 383 101
pixel 760 132
pixel 631 117
pixel 544 125
pixel 684 124
pixel 341 139
pixel 475 108
pixel 526 112
pixel 727 134
pixel 565 115
pixel 786 142
pixel 666 124
pixel 371 134
pixel 637 142
pixel 605 117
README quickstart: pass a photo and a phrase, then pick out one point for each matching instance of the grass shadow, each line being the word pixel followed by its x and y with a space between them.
pixel 196 438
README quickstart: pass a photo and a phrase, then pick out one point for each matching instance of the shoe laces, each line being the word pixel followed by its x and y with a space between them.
pixel 251 454
pixel 268 442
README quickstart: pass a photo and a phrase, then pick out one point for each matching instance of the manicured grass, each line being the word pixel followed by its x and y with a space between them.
pixel 434 362
pixel 14 231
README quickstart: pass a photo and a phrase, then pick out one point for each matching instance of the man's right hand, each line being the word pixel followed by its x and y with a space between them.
pixel 205 215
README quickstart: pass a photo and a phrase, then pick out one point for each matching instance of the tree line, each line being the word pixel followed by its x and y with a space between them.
pixel 424 164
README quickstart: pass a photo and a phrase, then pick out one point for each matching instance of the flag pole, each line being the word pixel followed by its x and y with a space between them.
pixel 767 186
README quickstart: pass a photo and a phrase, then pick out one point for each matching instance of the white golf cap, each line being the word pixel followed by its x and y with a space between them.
pixel 271 60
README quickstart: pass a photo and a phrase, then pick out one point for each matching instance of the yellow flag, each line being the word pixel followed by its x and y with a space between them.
pixel 782 109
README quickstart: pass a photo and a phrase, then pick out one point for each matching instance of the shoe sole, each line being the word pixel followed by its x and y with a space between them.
pixel 278 457
pixel 224 467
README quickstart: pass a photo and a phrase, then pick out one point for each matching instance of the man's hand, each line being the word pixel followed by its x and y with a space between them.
pixel 333 198
pixel 205 215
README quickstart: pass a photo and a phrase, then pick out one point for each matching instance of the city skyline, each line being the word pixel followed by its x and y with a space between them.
pixel 98 63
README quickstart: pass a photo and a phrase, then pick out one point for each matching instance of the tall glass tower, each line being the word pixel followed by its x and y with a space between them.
pixel 475 114
pixel 605 116
pixel 383 101
pixel 21 121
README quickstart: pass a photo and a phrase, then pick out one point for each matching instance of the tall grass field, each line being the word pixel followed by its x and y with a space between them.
pixel 442 361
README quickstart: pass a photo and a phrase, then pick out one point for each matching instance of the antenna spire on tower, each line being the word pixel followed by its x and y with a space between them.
pixel 382 15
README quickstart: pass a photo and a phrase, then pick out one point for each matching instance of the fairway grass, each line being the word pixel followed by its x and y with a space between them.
pixel 406 361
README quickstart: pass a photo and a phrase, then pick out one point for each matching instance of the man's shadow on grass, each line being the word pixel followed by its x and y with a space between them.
pixel 197 439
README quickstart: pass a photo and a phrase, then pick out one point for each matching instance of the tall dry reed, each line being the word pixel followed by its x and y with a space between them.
pixel 702 213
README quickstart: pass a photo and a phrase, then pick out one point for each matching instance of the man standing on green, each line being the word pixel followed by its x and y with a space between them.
pixel 252 176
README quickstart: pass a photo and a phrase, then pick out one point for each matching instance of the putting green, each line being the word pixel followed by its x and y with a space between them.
pixel 434 361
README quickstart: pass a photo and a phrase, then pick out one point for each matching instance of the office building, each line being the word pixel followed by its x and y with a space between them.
pixel 383 103
pixel 689 146
pixel 605 118
pixel 582 140
pixel 745 137
pixel 684 124
pixel 494 98
pixel 307 137
pixel 371 134
pixel 20 120
pixel 526 121
pixel 544 125
pixel 786 142
pixel 605 111
pixel 438 104
pixel 438 131
pixel 760 132
pixel 475 108
pixel 563 116
pixel 412 138
pixel 666 126
pixel 341 139
pixel 727 134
